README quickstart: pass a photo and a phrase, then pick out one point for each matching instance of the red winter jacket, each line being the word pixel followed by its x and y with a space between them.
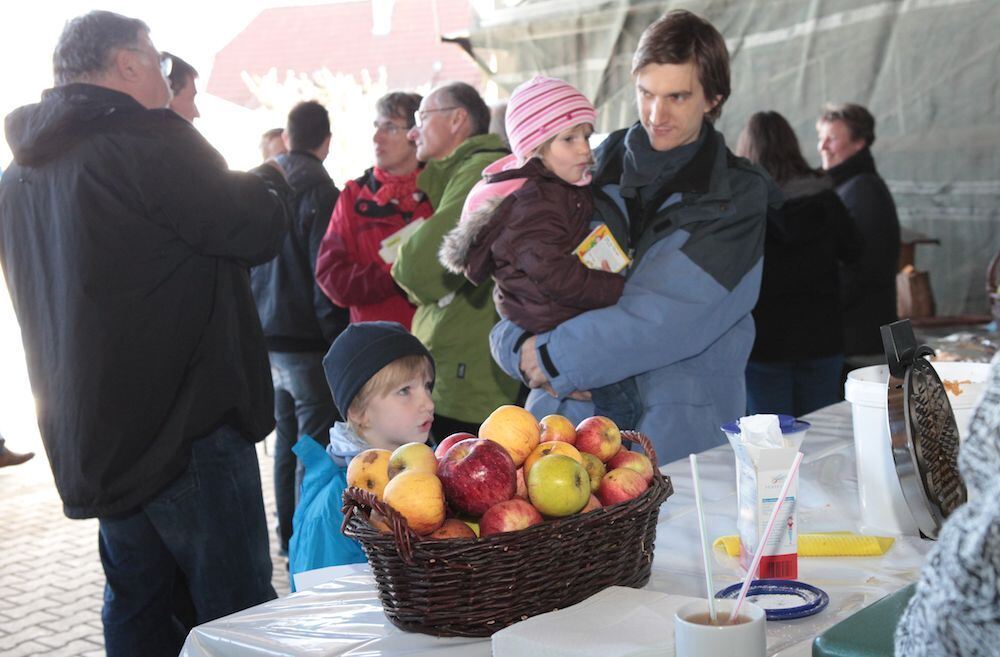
pixel 525 242
pixel 348 267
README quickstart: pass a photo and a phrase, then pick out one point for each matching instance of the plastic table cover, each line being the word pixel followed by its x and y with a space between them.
pixel 344 616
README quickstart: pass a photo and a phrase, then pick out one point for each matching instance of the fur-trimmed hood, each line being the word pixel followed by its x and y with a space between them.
pixel 465 242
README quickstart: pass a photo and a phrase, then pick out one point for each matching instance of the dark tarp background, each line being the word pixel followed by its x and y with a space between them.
pixel 927 70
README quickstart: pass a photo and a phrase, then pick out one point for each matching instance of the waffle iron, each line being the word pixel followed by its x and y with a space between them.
pixel 923 431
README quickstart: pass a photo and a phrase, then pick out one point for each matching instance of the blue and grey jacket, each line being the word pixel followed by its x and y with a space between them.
pixel 683 326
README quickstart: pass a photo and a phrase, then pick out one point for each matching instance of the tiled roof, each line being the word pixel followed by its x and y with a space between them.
pixel 339 37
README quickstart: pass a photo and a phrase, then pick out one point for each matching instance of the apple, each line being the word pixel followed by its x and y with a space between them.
pixel 473 525
pixel 558 486
pixel 412 457
pixel 514 428
pixel 557 427
pixel 379 522
pixel 509 516
pixel 595 468
pixel 476 474
pixel 446 444
pixel 633 461
pixel 551 447
pixel 522 488
pixel 418 497
pixel 621 485
pixel 592 503
pixel 599 436
pixel 370 470
pixel 452 528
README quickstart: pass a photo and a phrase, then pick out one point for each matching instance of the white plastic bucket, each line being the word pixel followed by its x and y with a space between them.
pixel 883 507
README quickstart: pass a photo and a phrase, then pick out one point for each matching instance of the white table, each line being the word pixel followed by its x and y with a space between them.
pixel 344 617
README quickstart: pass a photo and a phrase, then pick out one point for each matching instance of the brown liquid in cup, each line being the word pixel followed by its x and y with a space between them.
pixel 721 619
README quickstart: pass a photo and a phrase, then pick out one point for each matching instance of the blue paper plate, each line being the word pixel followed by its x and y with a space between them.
pixel 774 596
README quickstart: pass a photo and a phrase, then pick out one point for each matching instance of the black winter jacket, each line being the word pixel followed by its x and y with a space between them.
pixel 798 313
pixel 126 243
pixel 294 311
pixel 868 287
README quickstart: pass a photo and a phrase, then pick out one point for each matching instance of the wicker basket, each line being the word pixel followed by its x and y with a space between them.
pixel 475 587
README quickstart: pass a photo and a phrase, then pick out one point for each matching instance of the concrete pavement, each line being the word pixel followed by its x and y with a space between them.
pixel 51 582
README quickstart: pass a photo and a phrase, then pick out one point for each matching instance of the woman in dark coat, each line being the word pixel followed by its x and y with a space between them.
pixel 798 353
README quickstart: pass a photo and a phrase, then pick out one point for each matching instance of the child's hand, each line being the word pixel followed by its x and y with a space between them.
pixel 580 395
pixel 605 266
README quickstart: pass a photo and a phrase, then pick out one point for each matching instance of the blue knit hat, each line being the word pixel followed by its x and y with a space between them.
pixel 360 352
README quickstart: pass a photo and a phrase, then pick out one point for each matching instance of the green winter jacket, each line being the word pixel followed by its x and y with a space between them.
pixel 454 317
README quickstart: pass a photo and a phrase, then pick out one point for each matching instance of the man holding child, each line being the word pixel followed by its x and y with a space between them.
pixel 692 217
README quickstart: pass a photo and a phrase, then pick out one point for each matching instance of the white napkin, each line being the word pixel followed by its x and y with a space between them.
pixel 762 431
pixel 616 622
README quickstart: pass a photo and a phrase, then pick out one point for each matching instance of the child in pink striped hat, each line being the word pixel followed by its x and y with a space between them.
pixel 522 222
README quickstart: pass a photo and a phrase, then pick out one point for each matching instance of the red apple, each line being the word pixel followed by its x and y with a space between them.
pixel 446 444
pixel 522 488
pixel 508 516
pixel 477 473
pixel 599 436
pixel 592 503
pixel 621 485
pixel 633 461
pixel 452 528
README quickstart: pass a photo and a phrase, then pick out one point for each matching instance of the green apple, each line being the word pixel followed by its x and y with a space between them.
pixel 558 486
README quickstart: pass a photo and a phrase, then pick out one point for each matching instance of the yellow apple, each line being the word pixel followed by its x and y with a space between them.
pixel 515 429
pixel 418 497
pixel 558 486
pixel 370 470
pixel 412 457
pixel 557 427
pixel 551 447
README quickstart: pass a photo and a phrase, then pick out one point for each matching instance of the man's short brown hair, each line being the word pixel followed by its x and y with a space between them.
pixel 858 119
pixel 679 37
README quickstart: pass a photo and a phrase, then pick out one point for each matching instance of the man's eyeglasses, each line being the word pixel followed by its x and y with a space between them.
pixel 422 114
pixel 389 128
pixel 166 62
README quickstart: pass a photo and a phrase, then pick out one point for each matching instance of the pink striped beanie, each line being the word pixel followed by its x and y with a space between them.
pixel 542 108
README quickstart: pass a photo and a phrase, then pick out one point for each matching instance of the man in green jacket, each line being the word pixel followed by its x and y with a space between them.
pixel 453 316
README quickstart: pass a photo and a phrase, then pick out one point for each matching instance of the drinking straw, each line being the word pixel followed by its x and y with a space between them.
pixel 705 554
pixel 763 539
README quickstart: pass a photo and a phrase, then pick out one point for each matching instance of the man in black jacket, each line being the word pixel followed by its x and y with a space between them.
pixel 126 244
pixel 299 321
pixel 867 286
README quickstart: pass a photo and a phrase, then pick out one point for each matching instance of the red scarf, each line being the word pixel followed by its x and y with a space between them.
pixel 400 191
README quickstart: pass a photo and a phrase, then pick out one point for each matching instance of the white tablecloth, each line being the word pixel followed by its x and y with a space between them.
pixel 344 617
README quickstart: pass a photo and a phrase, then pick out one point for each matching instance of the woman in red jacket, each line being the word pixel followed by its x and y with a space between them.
pixel 349 268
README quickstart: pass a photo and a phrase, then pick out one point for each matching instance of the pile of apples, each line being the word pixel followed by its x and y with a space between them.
pixel 517 473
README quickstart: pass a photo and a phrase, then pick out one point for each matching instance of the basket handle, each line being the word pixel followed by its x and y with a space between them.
pixel 358 499
pixel 647 445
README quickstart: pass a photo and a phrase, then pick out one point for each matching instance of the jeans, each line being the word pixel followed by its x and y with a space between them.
pixel 793 387
pixel 196 551
pixel 303 405
pixel 620 402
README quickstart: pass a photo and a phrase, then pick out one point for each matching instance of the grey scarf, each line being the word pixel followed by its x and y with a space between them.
pixel 648 169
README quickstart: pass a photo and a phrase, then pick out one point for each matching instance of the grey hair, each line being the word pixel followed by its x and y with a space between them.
pixel 87 43
pixel 465 96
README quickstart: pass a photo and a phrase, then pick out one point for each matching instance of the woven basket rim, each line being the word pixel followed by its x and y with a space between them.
pixel 406 540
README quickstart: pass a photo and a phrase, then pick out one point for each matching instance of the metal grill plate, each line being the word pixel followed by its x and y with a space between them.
pixel 925 446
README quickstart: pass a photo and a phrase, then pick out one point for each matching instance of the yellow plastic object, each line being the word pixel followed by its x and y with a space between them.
pixel 825 544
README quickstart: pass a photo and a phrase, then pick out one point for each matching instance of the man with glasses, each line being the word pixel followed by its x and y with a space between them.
pixel 352 267
pixel 453 317
pixel 126 244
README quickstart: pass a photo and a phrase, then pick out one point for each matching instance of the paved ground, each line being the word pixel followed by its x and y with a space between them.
pixel 51 582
